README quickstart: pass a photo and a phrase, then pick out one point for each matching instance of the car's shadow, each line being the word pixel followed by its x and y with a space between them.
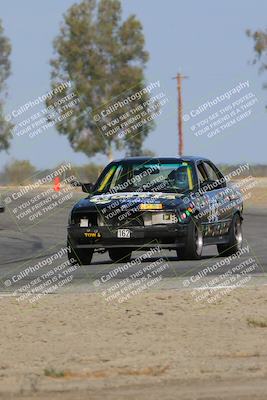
pixel 175 267
pixel 151 260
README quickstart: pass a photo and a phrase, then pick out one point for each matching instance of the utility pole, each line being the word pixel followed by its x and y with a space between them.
pixel 179 77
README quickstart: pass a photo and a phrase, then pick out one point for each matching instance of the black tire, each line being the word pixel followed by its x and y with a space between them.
pixel 194 243
pixel 235 238
pixel 81 257
pixel 120 255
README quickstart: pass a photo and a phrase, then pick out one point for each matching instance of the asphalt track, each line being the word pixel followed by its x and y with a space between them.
pixel 26 244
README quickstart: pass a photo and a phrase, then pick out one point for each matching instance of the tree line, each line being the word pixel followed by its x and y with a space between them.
pixel 22 172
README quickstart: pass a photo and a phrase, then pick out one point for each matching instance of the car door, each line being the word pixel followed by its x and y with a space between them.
pixel 204 201
pixel 209 199
pixel 218 200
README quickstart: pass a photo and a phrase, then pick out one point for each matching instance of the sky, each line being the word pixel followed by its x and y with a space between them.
pixel 204 40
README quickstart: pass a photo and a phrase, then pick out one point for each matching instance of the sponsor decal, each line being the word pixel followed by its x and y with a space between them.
pixel 92 234
pixel 106 198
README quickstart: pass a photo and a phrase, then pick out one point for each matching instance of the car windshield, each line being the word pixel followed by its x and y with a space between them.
pixel 147 177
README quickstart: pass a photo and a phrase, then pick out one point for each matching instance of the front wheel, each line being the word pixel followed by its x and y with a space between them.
pixel 81 256
pixel 194 243
pixel 235 238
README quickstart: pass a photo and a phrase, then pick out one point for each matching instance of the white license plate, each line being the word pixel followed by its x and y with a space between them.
pixel 124 233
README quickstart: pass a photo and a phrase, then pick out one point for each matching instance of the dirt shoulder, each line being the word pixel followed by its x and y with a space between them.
pixel 161 340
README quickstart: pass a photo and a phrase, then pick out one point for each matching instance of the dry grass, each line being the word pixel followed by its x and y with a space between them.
pixel 53 373
pixel 99 374
pixel 257 323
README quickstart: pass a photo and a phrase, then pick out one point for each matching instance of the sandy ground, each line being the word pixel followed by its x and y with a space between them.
pixel 257 195
pixel 158 345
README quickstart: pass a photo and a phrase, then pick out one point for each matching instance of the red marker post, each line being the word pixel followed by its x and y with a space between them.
pixel 57 184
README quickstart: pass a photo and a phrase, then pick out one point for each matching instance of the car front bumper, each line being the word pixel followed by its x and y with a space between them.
pixel 166 236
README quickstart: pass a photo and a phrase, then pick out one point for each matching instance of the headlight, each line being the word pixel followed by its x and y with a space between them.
pixel 159 218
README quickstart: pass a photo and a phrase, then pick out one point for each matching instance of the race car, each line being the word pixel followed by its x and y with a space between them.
pixel 174 203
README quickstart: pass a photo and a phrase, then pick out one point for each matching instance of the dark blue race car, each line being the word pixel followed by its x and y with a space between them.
pixel 179 204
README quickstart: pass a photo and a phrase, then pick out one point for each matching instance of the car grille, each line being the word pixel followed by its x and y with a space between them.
pixel 98 219
pixel 121 220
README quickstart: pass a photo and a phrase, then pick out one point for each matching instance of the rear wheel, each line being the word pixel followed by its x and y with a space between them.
pixel 194 243
pixel 120 255
pixel 81 256
pixel 235 238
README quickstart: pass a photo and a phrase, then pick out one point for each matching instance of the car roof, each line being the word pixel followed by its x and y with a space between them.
pixel 169 159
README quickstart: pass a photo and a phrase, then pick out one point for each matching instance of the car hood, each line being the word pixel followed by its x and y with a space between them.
pixel 111 201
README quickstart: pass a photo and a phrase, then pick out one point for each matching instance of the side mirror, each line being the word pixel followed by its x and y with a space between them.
pixel 87 187
pixel 75 183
